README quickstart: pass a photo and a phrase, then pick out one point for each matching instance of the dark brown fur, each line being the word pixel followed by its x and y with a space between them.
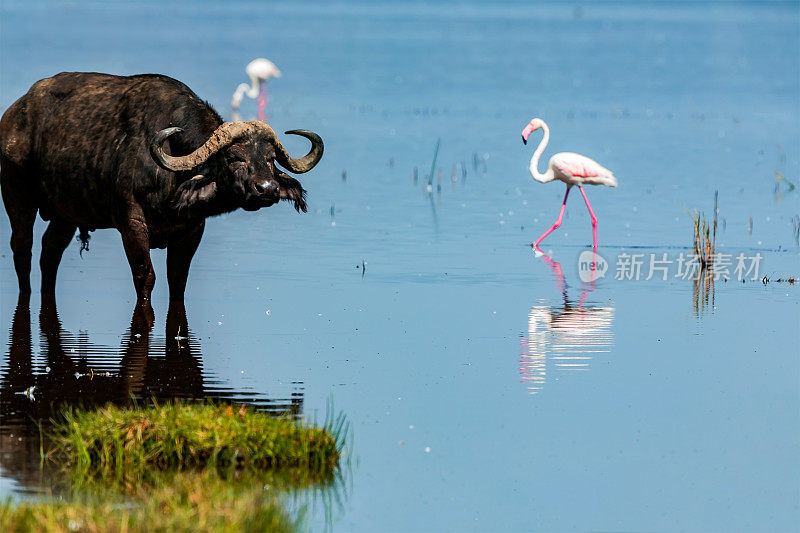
pixel 75 149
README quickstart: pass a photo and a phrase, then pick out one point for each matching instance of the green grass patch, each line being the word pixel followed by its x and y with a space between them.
pixel 183 435
pixel 181 467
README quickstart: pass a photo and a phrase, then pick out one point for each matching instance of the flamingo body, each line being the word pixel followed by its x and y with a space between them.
pixel 577 169
pixel 569 167
pixel 262 69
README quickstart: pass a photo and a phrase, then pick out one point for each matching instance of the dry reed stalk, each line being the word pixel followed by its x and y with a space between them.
pixel 705 237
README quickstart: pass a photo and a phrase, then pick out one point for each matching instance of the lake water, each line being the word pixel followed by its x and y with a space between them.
pixel 488 389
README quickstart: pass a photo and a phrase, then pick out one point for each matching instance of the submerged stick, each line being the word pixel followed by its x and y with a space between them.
pixel 716 215
pixel 433 164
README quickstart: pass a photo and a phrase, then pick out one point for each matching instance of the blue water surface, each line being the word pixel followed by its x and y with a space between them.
pixel 488 389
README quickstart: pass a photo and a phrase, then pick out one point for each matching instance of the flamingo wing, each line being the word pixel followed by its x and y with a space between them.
pixel 577 168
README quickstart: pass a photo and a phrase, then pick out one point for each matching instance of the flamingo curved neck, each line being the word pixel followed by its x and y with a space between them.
pixel 251 91
pixel 255 83
pixel 548 175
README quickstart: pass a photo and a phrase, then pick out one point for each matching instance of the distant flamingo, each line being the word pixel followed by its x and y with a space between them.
pixel 259 70
pixel 572 169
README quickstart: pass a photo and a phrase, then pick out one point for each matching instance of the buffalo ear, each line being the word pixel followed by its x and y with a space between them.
pixel 292 190
pixel 194 193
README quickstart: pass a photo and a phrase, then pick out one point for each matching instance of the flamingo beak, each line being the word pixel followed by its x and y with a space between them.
pixel 526 133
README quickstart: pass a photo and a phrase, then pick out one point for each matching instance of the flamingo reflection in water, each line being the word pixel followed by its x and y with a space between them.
pixel 568 335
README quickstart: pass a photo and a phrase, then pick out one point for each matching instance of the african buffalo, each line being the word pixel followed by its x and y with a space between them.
pixel 142 154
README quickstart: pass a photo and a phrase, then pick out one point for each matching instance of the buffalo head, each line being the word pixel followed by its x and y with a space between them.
pixel 244 172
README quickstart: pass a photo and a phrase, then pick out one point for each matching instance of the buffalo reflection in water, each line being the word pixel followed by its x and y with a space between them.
pixel 73 371
pixel 566 336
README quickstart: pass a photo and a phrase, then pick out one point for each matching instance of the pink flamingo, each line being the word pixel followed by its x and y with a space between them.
pixel 572 169
pixel 259 71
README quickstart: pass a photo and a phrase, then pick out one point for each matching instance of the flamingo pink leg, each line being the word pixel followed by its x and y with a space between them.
pixel 261 103
pixel 594 218
pixel 557 223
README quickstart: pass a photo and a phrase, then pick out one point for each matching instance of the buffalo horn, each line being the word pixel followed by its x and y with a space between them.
pixel 228 133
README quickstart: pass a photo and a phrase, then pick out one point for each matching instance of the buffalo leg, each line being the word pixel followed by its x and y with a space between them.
pixel 21 243
pixel 54 241
pixel 21 208
pixel 136 240
pixel 180 251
